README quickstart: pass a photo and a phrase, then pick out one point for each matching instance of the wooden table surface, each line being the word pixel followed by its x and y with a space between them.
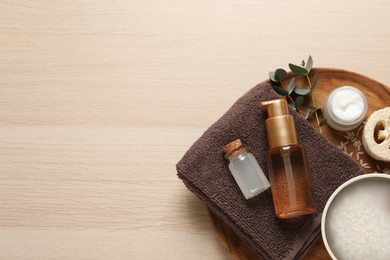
pixel 100 99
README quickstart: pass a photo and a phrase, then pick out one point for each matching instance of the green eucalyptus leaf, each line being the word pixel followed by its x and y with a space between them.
pixel 302 91
pixel 315 80
pixel 280 74
pixel 298 70
pixel 292 106
pixel 271 75
pixel 280 91
pixel 299 102
pixel 307 115
pixel 291 86
pixel 323 122
pixel 312 108
pixel 309 63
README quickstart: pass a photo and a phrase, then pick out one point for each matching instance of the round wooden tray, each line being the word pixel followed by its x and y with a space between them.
pixel 378 96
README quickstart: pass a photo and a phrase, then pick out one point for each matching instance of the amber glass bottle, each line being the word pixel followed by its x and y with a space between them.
pixel 287 167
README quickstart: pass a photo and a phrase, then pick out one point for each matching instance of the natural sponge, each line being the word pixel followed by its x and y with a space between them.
pixel 379 147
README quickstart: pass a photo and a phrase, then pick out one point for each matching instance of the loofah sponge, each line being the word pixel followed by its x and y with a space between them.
pixel 379 151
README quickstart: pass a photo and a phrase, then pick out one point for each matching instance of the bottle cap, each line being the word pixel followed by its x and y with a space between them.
pixel 280 124
pixel 233 148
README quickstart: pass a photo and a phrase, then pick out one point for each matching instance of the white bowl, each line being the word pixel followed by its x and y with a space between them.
pixel 356 219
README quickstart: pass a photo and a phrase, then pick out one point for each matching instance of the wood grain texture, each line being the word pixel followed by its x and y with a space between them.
pixel 100 99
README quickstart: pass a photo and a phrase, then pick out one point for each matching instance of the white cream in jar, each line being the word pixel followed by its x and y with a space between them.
pixel 345 108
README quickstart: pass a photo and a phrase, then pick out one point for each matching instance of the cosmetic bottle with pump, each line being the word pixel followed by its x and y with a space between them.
pixel 245 169
pixel 287 167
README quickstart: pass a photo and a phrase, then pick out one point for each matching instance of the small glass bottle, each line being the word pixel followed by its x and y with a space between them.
pixel 245 169
pixel 287 167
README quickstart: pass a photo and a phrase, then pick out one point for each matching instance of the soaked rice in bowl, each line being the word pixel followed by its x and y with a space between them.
pixel 358 221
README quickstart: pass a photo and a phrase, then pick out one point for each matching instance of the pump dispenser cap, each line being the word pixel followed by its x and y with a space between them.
pixel 277 107
pixel 280 124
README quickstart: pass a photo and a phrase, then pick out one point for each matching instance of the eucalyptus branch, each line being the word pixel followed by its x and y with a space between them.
pixel 290 98
pixel 313 101
pixel 280 75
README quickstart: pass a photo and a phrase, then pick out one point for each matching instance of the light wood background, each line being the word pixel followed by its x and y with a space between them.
pixel 100 99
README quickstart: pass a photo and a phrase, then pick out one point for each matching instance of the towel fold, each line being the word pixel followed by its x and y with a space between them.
pixel 205 172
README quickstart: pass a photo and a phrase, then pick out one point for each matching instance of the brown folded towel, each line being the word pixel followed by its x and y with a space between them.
pixel 205 172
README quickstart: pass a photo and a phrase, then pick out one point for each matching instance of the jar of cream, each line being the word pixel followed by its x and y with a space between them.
pixel 345 108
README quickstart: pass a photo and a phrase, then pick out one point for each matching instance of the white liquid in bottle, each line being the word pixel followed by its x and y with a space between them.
pixel 245 170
